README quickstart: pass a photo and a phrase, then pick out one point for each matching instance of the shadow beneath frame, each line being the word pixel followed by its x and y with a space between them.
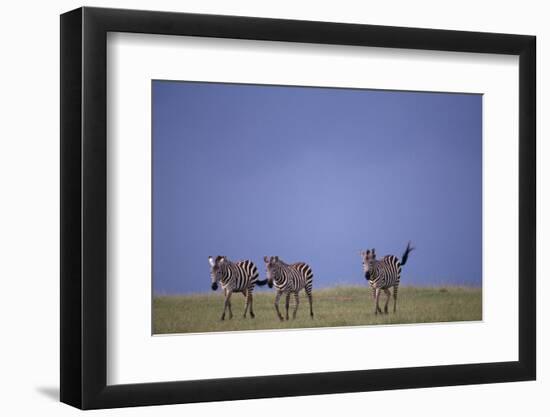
pixel 50 392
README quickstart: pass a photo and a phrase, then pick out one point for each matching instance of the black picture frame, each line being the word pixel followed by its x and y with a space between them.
pixel 84 207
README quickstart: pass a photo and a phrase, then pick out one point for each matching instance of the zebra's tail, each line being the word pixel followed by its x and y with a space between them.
pixel 262 282
pixel 406 254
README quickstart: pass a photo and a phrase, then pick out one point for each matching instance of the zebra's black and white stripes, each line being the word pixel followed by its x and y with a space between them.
pixel 289 279
pixel 384 274
pixel 239 276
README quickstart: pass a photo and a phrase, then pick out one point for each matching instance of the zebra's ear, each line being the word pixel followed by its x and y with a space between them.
pixel 373 253
pixel 222 259
pixel 266 259
pixel 211 261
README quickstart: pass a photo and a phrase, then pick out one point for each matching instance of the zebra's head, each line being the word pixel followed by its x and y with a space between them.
pixel 368 257
pixel 270 267
pixel 216 270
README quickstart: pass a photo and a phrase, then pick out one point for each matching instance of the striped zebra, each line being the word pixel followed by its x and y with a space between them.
pixel 239 276
pixel 384 274
pixel 289 279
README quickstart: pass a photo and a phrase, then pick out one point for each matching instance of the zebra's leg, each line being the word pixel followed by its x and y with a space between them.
pixel 297 298
pixel 224 304
pixel 374 300
pixel 287 304
pixel 246 301
pixel 250 304
pixel 277 298
pixel 310 299
pixel 395 298
pixel 376 306
pixel 388 295
pixel 227 304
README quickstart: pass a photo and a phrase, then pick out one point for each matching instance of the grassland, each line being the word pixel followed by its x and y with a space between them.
pixel 333 307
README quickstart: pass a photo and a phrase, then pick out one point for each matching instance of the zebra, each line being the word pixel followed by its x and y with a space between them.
pixel 239 276
pixel 383 274
pixel 289 279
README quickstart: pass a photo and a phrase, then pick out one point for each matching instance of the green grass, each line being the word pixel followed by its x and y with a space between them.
pixel 333 307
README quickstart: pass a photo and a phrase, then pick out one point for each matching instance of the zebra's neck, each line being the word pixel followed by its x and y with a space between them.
pixel 374 270
pixel 279 275
pixel 228 273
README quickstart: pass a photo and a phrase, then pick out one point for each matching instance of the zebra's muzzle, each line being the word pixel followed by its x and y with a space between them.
pixel 270 284
pixel 214 286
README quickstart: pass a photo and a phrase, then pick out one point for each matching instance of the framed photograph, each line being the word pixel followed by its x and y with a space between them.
pixel 257 207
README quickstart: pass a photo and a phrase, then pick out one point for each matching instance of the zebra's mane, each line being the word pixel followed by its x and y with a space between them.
pixel 385 259
pixel 227 261
pixel 237 263
pixel 280 261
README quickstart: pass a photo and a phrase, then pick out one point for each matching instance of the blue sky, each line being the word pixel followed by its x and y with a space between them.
pixel 315 175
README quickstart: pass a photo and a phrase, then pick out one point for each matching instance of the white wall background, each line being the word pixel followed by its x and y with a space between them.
pixel 29 209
